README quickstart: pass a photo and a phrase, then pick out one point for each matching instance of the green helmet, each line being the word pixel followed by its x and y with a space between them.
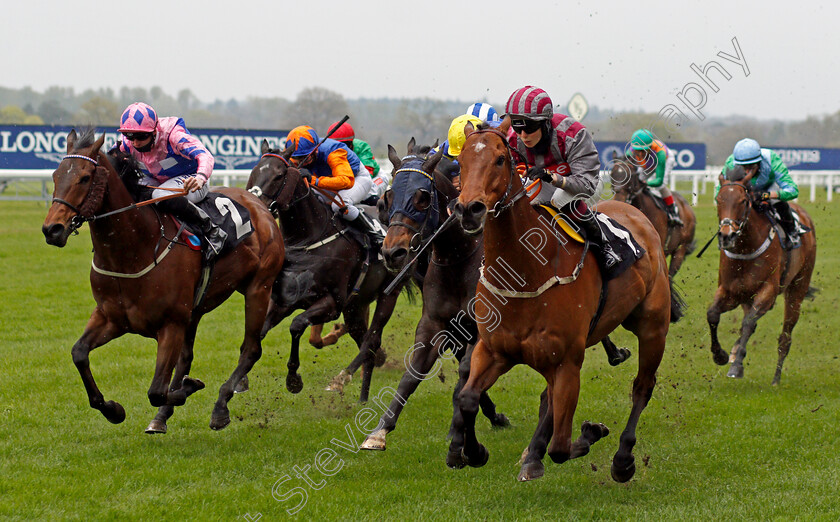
pixel 642 139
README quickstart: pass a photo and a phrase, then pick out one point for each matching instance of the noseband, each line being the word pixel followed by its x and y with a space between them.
pixel 741 223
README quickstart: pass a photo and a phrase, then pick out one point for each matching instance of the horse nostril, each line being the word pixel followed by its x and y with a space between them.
pixel 53 230
pixel 458 209
pixel 477 209
pixel 395 256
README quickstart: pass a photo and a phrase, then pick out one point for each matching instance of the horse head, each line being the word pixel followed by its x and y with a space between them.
pixel 416 204
pixel 625 181
pixel 734 203
pixel 489 184
pixel 80 185
pixel 274 179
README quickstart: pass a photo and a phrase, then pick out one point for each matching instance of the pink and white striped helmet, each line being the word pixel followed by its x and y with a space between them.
pixel 138 117
pixel 530 102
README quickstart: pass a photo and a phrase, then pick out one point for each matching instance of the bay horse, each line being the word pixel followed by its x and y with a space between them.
pixel 416 209
pixel 677 241
pixel 322 270
pixel 754 268
pixel 546 322
pixel 144 280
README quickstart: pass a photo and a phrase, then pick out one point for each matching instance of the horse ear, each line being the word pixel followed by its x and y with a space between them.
pixel 431 163
pixel 392 155
pixel 288 152
pixel 411 144
pixel 97 145
pixel 746 179
pixel 505 125
pixel 614 155
pixel 435 144
pixel 71 140
pixel 264 147
pixel 468 129
pixel 721 179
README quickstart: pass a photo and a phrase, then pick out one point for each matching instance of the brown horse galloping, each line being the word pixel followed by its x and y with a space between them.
pixel 754 269
pixel 144 281
pixel 543 317
pixel 677 241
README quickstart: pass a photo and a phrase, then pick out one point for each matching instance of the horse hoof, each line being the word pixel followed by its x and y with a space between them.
pixel 156 426
pixel 720 357
pixel 623 473
pixel 316 343
pixel 242 386
pixel 191 385
pixel 337 383
pixel 455 460
pixel 530 471
pixel 500 421
pixel 623 355
pixel 524 456
pixel 114 412
pixel 375 441
pixel 478 460
pixel 219 423
pixel 594 431
pixel 736 372
pixel 380 357
pixel 294 383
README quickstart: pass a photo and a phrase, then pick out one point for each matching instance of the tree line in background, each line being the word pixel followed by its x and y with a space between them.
pixel 379 121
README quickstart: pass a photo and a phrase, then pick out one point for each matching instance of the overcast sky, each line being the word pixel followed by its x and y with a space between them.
pixel 618 54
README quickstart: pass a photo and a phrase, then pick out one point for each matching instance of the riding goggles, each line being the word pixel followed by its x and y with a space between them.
pixel 529 126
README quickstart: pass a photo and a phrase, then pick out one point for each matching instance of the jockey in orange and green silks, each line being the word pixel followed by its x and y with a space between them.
pixel 655 162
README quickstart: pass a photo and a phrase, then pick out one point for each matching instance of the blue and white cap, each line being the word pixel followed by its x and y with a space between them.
pixel 483 111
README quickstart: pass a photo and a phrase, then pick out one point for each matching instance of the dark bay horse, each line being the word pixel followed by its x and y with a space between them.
pixel 322 270
pixel 677 241
pixel 755 268
pixel 535 306
pixel 418 203
pixel 144 281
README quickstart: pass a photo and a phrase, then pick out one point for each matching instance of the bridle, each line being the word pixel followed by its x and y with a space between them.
pixel 737 225
pixel 500 206
pixel 84 207
pixel 424 230
pixel 630 183
pixel 258 191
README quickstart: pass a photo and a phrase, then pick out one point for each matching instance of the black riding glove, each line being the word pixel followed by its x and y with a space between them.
pixel 539 173
pixel 306 174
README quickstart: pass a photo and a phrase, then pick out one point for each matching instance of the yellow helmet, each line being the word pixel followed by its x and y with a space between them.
pixel 456 134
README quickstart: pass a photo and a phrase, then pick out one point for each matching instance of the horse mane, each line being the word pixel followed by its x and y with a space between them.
pixel 128 170
pixel 85 138
pixel 734 173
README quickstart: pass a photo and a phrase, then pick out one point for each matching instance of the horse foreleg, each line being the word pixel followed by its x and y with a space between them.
pixel 761 305
pixel 615 355
pixel 485 369
pixel 419 367
pixel 651 348
pixel 315 338
pixel 372 343
pixel 98 331
pixel 794 294
pixel 170 340
pixel 532 466
pixel 722 303
pixel 180 380
pixel 677 258
pixel 564 396
pixel 323 310
pixel 256 305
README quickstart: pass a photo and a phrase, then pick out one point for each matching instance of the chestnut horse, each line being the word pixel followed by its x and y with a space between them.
pixel 755 268
pixel 418 206
pixel 322 268
pixel 144 280
pixel 677 241
pixel 536 306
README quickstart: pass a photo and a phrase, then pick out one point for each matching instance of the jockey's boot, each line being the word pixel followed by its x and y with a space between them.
pixel 592 227
pixel 370 228
pixel 788 225
pixel 673 215
pixel 190 213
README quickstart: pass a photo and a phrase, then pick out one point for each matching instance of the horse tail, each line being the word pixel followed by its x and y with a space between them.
pixel 812 292
pixel 678 304
pixel 689 248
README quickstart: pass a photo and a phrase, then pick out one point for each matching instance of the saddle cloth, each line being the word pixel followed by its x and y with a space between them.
pixel 230 216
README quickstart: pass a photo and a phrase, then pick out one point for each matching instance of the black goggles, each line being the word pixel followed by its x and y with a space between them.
pixel 529 126
pixel 137 136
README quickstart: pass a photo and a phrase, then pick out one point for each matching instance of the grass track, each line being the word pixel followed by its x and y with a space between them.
pixel 708 447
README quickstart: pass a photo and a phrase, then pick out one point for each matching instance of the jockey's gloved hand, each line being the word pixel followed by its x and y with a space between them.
pixel 306 173
pixel 763 196
pixel 539 173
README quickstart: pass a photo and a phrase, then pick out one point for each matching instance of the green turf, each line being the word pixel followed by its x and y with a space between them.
pixel 709 447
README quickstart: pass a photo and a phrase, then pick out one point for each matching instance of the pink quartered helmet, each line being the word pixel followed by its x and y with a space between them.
pixel 530 102
pixel 138 117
